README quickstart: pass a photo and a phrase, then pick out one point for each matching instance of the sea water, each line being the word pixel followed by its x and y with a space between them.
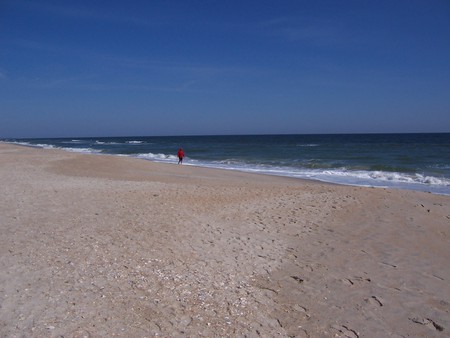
pixel 407 161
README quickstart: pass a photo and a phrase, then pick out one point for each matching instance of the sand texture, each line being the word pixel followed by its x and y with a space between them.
pixel 103 246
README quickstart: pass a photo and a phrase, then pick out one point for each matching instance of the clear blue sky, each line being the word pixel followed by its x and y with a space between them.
pixel 117 68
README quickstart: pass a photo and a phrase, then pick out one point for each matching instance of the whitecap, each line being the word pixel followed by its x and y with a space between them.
pixel 158 157
pixel 83 150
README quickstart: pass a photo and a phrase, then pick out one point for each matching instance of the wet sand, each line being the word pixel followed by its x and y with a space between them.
pixel 102 246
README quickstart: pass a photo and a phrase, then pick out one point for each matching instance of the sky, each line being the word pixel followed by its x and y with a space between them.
pixel 152 68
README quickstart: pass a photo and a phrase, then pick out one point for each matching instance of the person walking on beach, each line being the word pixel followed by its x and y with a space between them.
pixel 180 156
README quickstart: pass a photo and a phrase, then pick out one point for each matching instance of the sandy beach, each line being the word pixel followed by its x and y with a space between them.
pixel 103 246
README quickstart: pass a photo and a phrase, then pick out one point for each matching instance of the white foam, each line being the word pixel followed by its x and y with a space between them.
pixel 346 177
pixel 158 157
pixel 391 177
pixel 39 145
pixel 101 142
pixel 21 143
pixel 83 150
pixel 50 146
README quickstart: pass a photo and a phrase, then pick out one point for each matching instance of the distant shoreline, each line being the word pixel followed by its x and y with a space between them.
pixel 385 180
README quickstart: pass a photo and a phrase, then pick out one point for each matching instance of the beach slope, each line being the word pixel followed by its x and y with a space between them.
pixel 113 246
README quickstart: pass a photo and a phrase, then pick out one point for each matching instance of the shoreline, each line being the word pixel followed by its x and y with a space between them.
pixel 425 189
pixel 108 245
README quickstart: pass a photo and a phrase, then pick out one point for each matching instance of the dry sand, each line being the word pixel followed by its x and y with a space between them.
pixel 102 246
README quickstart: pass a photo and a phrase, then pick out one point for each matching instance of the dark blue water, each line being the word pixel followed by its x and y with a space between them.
pixel 409 161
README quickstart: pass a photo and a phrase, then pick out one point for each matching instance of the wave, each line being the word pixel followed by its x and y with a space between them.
pixel 388 177
pixel 157 157
pixel 34 145
pixel 82 150
pixel 51 146
pixel 413 181
pixel 439 166
pixel 73 141
pixel 135 142
pixel 103 143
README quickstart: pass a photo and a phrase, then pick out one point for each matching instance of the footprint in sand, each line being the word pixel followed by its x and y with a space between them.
pixel 344 331
pixel 347 281
pixel 298 279
pixel 354 280
pixel 374 301
pixel 427 322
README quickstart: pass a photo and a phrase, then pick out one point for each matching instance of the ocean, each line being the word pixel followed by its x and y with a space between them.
pixel 405 161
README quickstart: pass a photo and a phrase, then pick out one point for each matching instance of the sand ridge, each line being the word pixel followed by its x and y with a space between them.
pixel 110 246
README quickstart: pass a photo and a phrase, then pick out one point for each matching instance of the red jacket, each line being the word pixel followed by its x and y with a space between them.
pixel 180 153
